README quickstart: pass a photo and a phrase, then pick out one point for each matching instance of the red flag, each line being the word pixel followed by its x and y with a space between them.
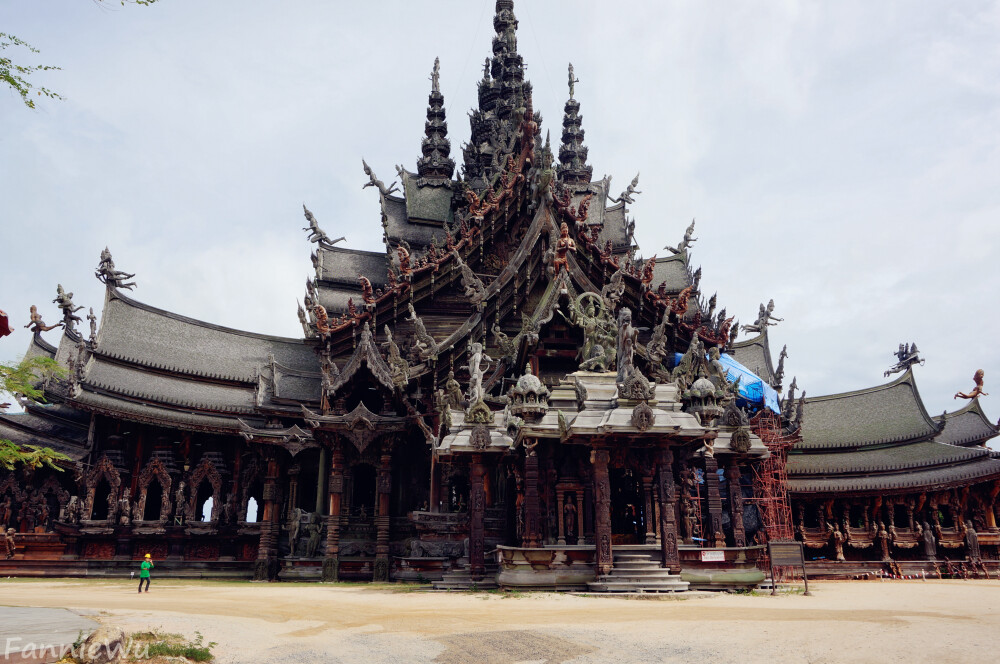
pixel 4 325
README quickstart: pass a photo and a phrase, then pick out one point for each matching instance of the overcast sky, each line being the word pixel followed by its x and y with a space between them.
pixel 840 157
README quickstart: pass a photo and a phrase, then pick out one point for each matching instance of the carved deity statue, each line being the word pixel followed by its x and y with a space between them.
pixel 294 530
pixel 64 301
pixel 569 520
pixel 593 316
pixel 180 507
pixel 627 196
pixel 627 336
pixel 453 391
pixel 315 536
pixel 977 390
pixel 930 544
pixel 72 513
pixel 36 323
pixel 107 273
pixel 6 512
pixel 9 546
pixel 688 238
pixel 837 538
pixel 564 245
pixel 971 542
pixel 476 359
pixel 125 508
pixel 375 182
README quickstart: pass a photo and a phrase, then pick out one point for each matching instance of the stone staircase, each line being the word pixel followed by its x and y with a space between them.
pixel 461 579
pixel 638 571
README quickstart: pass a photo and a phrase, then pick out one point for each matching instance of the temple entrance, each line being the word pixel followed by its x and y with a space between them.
pixel 363 492
pixel 101 496
pixel 628 519
pixel 154 502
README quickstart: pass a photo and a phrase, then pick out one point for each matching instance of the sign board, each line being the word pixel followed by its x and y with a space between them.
pixel 710 556
pixel 787 554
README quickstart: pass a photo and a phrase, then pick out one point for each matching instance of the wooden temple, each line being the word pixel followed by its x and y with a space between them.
pixel 507 394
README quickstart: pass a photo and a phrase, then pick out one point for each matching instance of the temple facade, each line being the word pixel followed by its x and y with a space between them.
pixel 507 394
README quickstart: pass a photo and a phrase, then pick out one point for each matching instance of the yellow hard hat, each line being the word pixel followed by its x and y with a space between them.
pixel 148 556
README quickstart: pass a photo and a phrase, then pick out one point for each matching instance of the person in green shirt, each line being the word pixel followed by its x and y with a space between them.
pixel 147 564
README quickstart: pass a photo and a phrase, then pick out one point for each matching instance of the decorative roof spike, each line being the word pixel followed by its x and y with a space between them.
pixel 64 301
pixel 573 167
pixel 316 233
pixel 108 275
pixel 436 161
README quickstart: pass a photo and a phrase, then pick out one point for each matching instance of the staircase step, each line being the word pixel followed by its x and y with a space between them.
pixel 611 586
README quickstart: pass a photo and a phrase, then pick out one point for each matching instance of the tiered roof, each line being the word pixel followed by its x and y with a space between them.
pixel 880 439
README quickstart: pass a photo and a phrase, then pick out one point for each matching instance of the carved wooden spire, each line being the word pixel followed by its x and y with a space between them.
pixel 436 161
pixel 573 167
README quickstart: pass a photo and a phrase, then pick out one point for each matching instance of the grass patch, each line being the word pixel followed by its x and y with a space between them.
pixel 160 644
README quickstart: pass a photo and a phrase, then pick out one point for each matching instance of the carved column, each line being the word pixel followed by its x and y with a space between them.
pixel 736 504
pixel 532 526
pixel 714 533
pixel 477 510
pixel 648 517
pixel 266 568
pixel 602 516
pixel 667 495
pixel 321 473
pixel 331 561
pixel 384 488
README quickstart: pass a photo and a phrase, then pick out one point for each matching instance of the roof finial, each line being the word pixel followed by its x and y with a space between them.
pixel 108 275
pixel 436 76
pixel 572 81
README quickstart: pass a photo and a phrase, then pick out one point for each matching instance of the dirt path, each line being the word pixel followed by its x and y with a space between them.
pixel 933 621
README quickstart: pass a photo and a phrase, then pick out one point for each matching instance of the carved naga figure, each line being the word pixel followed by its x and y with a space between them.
pixel 977 391
pixel 366 290
pixel 107 273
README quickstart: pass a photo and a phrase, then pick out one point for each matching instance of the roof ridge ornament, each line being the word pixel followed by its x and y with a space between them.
pixel 111 277
pixel 316 233
pixel 627 196
pixel 686 242
pixel 906 357
pixel 977 391
pixel 36 323
pixel 375 182
pixel 764 318
pixel 64 301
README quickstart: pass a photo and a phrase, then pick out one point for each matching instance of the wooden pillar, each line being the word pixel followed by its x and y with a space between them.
pixel 266 567
pixel 321 473
pixel 736 503
pixel 293 491
pixel 667 495
pixel 532 526
pixel 435 493
pixel 331 560
pixel 579 516
pixel 714 534
pixel 384 488
pixel 602 512
pixel 561 515
pixel 648 516
pixel 477 510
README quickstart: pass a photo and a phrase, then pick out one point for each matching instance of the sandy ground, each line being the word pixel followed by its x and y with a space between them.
pixel 891 621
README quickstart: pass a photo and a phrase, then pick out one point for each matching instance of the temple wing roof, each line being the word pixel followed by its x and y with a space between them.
pixel 888 413
pixel 58 427
pixel 967 426
pixel 139 334
pixel 755 355
pixel 673 270
pixel 926 467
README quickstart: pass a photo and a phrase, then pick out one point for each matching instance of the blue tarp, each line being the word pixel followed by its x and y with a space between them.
pixel 752 387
